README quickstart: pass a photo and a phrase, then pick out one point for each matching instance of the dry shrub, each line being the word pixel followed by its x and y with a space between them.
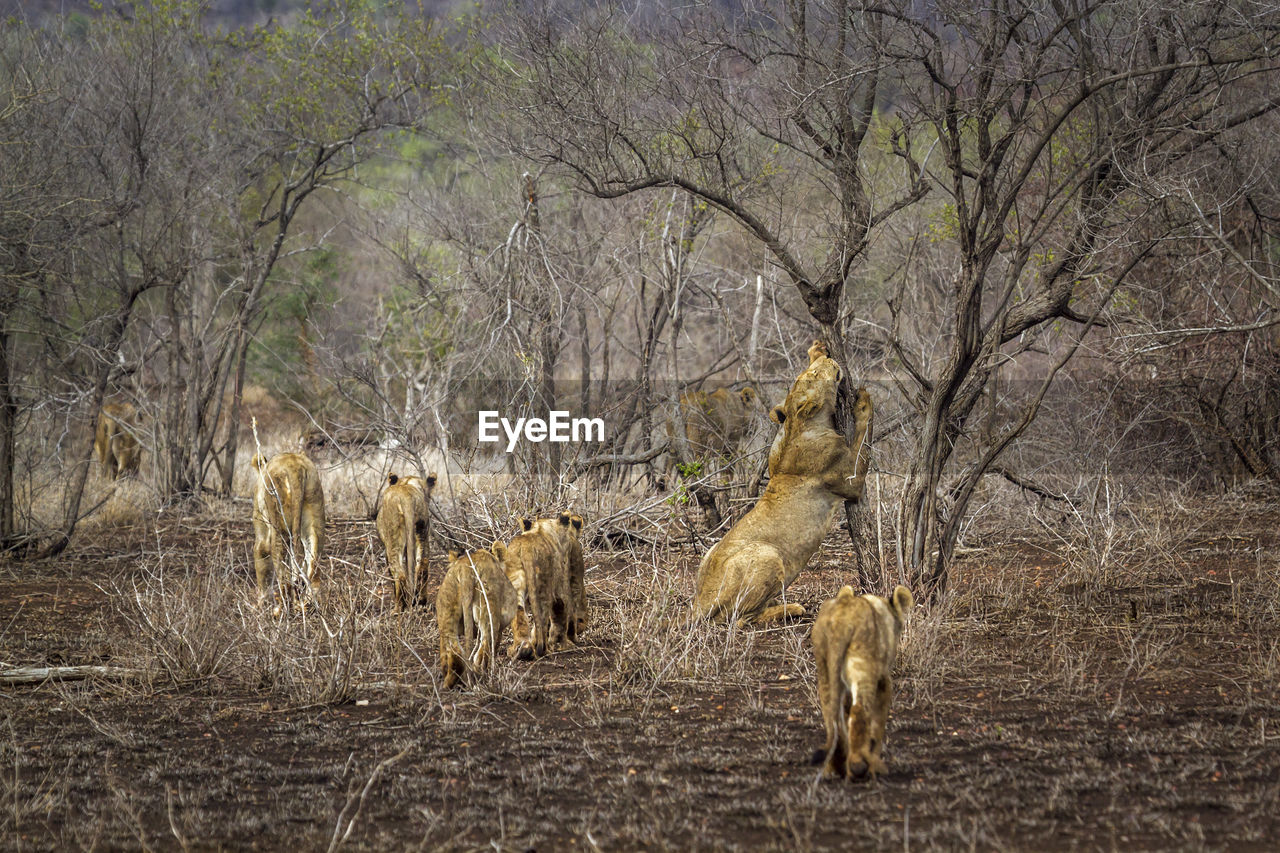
pixel 658 642
pixel 25 799
pixel 926 652
pixel 180 624
pixel 127 502
pixel 192 625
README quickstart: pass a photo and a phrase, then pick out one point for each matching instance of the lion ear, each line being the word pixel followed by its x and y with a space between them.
pixel 903 601
pixel 528 524
pixel 777 415
pixel 431 480
pixel 564 519
pixel 453 555
pixel 748 394
pixel 846 593
pixel 392 479
pixel 258 462
pixel 576 521
pixel 499 549
pixel 816 351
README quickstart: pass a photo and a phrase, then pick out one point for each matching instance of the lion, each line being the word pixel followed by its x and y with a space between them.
pixel 116 441
pixel 288 526
pixel 715 421
pixel 404 528
pixel 855 641
pixel 577 578
pixel 812 469
pixel 474 605
pixel 537 564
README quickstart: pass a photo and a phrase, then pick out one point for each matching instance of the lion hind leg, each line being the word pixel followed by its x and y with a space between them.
pixel 837 754
pixel 828 695
pixel 521 647
pixel 776 613
pixel 750 584
pixel 452 664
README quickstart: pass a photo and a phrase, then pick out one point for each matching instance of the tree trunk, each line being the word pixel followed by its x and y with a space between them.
pixel 8 434
pixel 233 421
pixel 865 566
pixel 547 393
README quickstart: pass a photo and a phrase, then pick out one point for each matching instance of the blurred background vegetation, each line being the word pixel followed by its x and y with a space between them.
pixel 1044 234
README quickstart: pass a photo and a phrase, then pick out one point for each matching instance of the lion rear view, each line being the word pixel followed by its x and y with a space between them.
pixel 288 526
pixel 537 562
pixel 474 605
pixel 404 527
pixel 855 642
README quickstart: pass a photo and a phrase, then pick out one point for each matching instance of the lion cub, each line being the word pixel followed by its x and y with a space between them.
pixel 404 528
pixel 855 640
pixel 537 563
pixel 288 526
pixel 115 441
pixel 474 606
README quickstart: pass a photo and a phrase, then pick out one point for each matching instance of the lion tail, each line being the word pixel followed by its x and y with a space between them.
pixel 467 596
pixel 537 632
pixel 296 535
pixel 453 664
pixel 859 725
pixel 860 685
pixel 410 592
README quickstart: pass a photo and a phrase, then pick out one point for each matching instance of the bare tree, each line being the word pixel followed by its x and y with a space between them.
pixel 306 113
pixel 36 205
pixel 765 115
pixel 98 244
pixel 1042 127
pixel 1058 129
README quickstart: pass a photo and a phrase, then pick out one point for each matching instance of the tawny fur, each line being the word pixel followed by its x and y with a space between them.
pixel 855 642
pixel 115 440
pixel 812 470
pixel 577 579
pixel 538 566
pixel 474 605
pixel 288 526
pixel 404 526
pixel 715 421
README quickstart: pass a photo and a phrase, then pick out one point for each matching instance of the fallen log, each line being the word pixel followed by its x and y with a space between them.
pixel 41 674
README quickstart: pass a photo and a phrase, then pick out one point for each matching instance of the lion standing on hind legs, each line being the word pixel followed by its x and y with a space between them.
pixel 404 527
pixel 288 527
pixel 855 642
pixel 812 469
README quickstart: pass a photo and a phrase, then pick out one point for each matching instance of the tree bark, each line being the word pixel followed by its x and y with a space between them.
pixel 8 430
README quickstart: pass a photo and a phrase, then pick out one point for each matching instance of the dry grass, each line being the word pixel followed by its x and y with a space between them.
pixel 1089 680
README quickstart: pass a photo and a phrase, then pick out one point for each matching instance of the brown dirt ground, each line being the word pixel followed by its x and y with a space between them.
pixel 1044 708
